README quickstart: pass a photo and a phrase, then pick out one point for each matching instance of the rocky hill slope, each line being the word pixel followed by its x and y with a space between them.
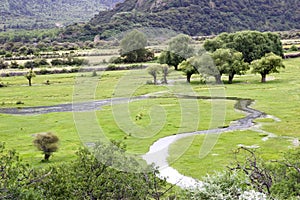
pixel 34 14
pixel 198 17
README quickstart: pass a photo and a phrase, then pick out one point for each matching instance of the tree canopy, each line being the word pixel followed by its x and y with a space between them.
pixel 270 63
pixel 178 50
pixel 229 61
pixel 47 143
pixel 133 48
pixel 252 44
pixel 188 69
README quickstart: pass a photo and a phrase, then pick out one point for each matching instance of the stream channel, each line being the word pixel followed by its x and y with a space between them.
pixel 162 145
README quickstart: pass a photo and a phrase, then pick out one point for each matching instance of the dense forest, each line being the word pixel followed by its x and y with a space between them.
pixel 33 14
pixel 194 17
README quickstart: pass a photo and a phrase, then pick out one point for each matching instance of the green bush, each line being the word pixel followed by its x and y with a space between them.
pixel 87 177
pixel 14 65
pixel 293 48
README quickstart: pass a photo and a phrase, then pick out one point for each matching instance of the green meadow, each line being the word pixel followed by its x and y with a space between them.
pixel 161 117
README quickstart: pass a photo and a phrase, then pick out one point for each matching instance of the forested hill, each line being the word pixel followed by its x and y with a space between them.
pixel 199 17
pixel 33 14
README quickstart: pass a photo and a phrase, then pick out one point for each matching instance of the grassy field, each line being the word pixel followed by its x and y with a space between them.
pixel 278 97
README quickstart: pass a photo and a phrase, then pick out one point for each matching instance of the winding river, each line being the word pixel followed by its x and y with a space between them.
pixel 162 145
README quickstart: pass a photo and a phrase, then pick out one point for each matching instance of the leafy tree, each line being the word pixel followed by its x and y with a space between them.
pixel 42 62
pixel 165 71
pixel 286 175
pixel 179 49
pixel 252 44
pixel 154 70
pixel 31 64
pixel 205 66
pixel 3 65
pixel 188 69
pixel 270 63
pixel 14 65
pixel 278 179
pixel 229 62
pixel 29 75
pixel 133 48
pixel 47 143
pixel 56 62
pixel 16 176
pixel 293 48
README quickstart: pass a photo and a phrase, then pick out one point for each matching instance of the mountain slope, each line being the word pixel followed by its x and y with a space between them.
pixel 199 17
pixel 33 14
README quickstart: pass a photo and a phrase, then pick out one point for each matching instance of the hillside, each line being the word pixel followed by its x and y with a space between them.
pixel 196 17
pixel 33 14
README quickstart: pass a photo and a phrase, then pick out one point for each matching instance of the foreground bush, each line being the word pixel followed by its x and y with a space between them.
pixel 85 178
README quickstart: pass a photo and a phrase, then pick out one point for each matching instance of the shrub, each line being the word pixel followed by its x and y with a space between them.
pixel 56 62
pixel 115 60
pixel 293 48
pixel 3 65
pixel 19 102
pixel 31 64
pixel 111 67
pixel 47 143
pixel 14 65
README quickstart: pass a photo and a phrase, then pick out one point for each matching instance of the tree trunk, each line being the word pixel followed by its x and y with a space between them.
pixel 230 78
pixel 218 79
pixel 188 78
pixel 155 82
pixel 165 79
pixel 176 67
pixel 263 78
pixel 47 156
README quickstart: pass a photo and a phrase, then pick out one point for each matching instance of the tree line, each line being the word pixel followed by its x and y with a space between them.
pixel 228 53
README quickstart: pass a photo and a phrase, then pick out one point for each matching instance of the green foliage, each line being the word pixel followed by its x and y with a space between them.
pixel 71 61
pixel 224 185
pixel 180 45
pixel 165 71
pixel 229 62
pixel 286 175
pixel 3 65
pixel 16 176
pixel 133 48
pixel 87 177
pixel 188 69
pixel 205 66
pixel 26 36
pixel 134 40
pixel 293 48
pixel 270 63
pixel 199 17
pixel 49 14
pixel 29 75
pixel 57 62
pixel 179 49
pixel 42 62
pixel 31 64
pixel 154 70
pixel 252 44
pixel 278 179
pixel 14 65
pixel 47 143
